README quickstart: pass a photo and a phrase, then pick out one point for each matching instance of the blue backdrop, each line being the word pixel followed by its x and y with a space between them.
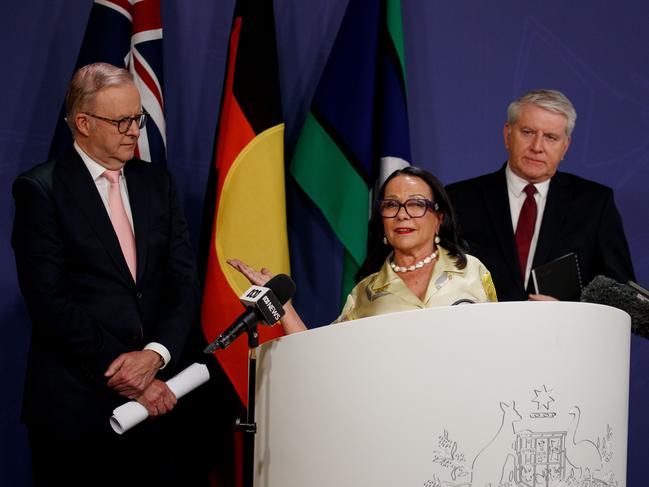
pixel 466 61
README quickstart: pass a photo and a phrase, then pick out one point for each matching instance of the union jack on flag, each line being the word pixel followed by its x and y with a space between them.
pixel 127 33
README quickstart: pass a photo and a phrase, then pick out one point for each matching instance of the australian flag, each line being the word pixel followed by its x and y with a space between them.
pixel 127 33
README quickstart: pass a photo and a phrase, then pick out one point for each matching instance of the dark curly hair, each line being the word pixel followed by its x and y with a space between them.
pixel 377 251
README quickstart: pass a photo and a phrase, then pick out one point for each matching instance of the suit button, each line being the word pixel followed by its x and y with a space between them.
pixel 138 295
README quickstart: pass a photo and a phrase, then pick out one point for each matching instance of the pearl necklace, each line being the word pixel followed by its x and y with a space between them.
pixel 414 267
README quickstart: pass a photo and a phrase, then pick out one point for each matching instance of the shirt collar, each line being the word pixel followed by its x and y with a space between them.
pixel 388 279
pixel 95 169
pixel 516 184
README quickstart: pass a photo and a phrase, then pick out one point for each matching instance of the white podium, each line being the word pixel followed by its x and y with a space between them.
pixel 511 394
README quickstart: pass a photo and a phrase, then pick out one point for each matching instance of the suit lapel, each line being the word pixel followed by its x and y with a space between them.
pixel 76 178
pixel 553 217
pixel 139 199
pixel 496 200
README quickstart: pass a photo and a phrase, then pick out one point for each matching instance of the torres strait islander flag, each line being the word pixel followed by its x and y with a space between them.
pixel 250 211
pixel 356 132
pixel 127 33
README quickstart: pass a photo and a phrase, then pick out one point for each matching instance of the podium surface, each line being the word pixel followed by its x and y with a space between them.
pixel 512 394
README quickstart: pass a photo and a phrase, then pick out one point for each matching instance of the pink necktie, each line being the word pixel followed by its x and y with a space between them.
pixel 120 221
pixel 525 227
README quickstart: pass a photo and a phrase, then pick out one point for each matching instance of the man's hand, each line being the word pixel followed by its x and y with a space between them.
pixel 131 373
pixel 157 398
pixel 541 297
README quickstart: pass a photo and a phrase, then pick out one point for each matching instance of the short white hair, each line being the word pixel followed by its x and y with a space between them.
pixel 552 100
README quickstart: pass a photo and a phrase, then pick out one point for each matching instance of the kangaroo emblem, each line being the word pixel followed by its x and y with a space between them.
pixel 489 464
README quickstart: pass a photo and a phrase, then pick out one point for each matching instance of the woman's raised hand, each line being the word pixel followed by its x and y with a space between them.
pixel 291 321
pixel 258 278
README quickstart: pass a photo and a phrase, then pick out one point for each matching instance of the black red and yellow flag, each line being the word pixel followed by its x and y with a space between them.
pixel 249 221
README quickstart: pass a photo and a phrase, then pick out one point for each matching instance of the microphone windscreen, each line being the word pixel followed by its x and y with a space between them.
pixel 282 286
pixel 604 290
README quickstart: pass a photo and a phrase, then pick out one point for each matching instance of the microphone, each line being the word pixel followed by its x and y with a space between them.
pixel 263 304
pixel 630 297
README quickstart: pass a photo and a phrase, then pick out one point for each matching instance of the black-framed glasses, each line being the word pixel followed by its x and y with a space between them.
pixel 124 124
pixel 415 207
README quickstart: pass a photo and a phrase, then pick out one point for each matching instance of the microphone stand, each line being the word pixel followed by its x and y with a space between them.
pixel 249 427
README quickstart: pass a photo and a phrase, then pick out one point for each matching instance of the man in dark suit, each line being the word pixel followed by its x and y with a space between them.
pixel 528 213
pixel 109 278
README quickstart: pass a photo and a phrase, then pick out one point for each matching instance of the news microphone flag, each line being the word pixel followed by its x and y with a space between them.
pixel 128 34
pixel 264 305
pixel 248 209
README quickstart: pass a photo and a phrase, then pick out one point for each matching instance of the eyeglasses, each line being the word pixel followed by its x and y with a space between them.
pixel 415 207
pixel 124 124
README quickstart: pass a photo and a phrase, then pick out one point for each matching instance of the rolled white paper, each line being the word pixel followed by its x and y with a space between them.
pixel 131 413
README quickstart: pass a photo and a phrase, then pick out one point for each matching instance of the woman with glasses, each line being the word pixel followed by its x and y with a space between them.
pixel 415 260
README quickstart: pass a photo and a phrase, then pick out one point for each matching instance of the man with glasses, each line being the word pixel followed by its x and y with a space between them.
pixel 124 124
pixel 109 278
pixel 528 213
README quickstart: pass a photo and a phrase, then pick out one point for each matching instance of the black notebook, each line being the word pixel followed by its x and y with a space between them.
pixel 559 278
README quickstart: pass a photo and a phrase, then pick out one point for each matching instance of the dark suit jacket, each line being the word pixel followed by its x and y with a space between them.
pixel 84 305
pixel 580 216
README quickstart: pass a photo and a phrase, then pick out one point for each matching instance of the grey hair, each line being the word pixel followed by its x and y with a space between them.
pixel 552 100
pixel 85 85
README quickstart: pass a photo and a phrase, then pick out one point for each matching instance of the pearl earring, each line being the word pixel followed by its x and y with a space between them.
pixel 385 240
pixel 437 239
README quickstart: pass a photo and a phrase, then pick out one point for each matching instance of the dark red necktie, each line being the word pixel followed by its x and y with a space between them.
pixel 525 227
